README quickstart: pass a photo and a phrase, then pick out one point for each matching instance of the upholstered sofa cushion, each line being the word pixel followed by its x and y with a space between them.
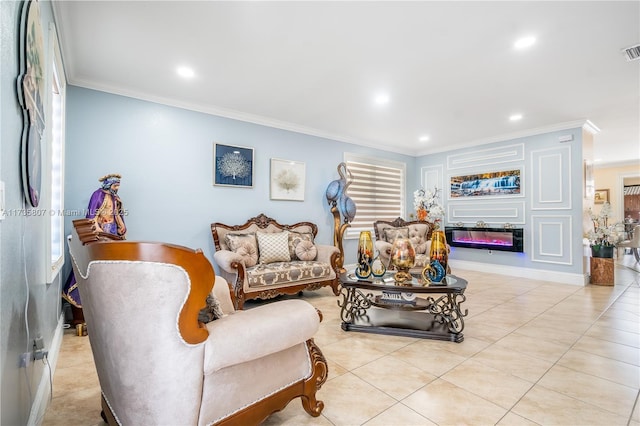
pixel 226 346
pixel 265 274
pixel 273 247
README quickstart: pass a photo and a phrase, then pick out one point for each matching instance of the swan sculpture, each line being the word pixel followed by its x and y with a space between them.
pixel 336 193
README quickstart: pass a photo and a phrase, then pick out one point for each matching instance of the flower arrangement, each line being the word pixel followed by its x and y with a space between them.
pixel 601 234
pixel 429 201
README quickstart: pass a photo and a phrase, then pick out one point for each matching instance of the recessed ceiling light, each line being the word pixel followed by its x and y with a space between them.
pixel 515 117
pixel 423 138
pixel 381 99
pixel 524 42
pixel 185 72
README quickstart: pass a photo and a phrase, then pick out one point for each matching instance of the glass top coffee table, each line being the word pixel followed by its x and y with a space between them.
pixel 414 309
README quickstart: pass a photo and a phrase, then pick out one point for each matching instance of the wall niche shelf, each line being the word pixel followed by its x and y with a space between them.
pixel 499 239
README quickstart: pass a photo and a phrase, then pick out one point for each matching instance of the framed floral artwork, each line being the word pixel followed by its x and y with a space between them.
pixel 287 180
pixel 232 166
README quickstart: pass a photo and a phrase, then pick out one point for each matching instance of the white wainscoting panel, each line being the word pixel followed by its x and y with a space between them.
pixel 485 157
pixel 490 212
pixel 551 239
pixel 433 177
pixel 551 188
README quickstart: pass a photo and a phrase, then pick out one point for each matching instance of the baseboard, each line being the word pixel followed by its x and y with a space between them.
pixel 517 271
pixel 42 397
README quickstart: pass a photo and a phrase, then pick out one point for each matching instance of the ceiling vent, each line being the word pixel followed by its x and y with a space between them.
pixel 632 53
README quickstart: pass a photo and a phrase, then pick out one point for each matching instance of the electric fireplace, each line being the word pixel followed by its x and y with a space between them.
pixel 501 239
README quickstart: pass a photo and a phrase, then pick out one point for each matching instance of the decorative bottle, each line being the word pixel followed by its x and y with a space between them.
pixel 365 255
pixel 439 250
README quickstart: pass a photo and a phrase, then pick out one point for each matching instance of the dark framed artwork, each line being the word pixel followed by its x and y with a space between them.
pixel 31 93
pixel 498 183
pixel 601 196
pixel 232 166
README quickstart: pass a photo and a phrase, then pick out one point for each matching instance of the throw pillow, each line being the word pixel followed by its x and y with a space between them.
pixel 235 241
pixel 210 312
pixel 273 247
pixel 390 234
pixel 245 245
pixel 306 250
pixel 294 239
pixel 249 254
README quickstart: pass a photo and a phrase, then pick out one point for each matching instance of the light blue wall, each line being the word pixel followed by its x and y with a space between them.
pixel 165 156
pixel 28 306
pixel 535 184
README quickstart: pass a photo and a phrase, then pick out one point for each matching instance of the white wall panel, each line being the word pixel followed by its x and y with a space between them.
pixel 551 239
pixel 432 177
pixel 551 187
pixel 490 212
pixel 485 157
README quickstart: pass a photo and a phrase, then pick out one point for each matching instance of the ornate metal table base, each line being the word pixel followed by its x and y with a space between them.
pixel 430 316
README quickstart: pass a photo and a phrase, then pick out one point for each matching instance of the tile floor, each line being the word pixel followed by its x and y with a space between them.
pixel 534 352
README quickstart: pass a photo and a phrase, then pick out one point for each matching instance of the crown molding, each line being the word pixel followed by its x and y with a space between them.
pixel 284 125
pixel 237 115
pixel 615 164
pixel 576 124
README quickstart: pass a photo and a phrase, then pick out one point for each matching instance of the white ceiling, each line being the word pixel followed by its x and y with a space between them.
pixel 449 68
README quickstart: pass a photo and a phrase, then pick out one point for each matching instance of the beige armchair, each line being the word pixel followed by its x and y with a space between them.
pixel 157 365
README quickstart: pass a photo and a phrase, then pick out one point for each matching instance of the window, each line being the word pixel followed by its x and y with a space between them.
pixel 378 189
pixel 55 151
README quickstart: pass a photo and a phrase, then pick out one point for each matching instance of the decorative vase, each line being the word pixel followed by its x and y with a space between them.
pixel 421 214
pixel 365 255
pixel 602 251
pixel 433 272
pixel 439 248
pixel 377 267
pixel 403 257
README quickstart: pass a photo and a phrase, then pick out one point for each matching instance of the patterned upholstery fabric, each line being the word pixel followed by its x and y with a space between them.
pixel 287 272
pixel 273 247
pixel 390 234
pixel 306 250
pixel 418 236
pixel 294 239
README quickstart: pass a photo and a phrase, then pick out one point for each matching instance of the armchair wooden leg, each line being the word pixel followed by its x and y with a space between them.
pixel 320 371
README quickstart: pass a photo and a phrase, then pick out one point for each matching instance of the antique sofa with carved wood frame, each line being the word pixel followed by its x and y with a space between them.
pixel 265 281
pixel 419 232
pixel 157 364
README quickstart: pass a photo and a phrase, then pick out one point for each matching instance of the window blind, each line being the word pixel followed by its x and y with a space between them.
pixel 377 189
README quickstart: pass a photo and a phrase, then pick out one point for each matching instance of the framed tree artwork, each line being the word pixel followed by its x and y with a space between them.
pixel 232 166
pixel 287 180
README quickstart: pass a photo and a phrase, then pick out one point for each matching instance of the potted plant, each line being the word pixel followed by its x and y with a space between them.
pixel 427 206
pixel 600 237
